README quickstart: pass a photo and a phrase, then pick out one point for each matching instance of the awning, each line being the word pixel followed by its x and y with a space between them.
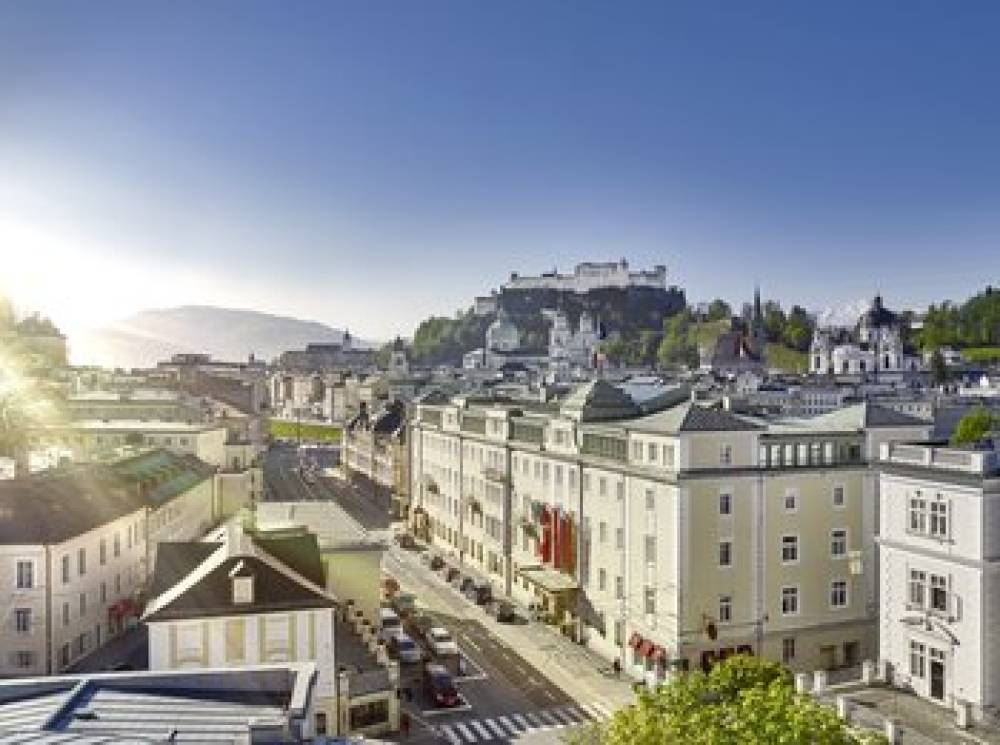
pixel 635 640
pixel 550 580
pixel 646 648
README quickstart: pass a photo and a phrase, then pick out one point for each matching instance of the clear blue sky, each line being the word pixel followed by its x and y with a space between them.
pixel 369 163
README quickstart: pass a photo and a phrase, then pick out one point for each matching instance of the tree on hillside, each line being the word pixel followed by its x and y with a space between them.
pixel 774 320
pixel 939 369
pixel 678 347
pixel 743 699
pixel 798 329
pixel 719 310
pixel 974 426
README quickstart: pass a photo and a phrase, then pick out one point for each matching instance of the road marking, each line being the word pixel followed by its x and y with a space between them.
pixel 497 730
pixel 483 732
pixel 601 708
pixel 521 721
pixel 466 732
pixel 452 737
pixel 592 711
pixel 550 719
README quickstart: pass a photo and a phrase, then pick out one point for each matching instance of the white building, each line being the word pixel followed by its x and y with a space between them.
pixel 75 550
pixel 569 348
pixel 874 348
pixel 234 604
pixel 938 545
pixel 592 275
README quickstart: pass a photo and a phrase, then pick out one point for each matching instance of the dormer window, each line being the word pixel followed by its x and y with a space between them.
pixel 242 590
pixel 242 580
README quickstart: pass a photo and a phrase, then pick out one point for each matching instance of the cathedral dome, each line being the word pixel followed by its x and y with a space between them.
pixel 502 336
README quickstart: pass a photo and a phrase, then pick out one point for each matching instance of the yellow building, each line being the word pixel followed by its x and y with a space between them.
pixel 667 538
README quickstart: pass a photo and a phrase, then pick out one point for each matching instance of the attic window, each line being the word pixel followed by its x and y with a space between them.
pixel 242 590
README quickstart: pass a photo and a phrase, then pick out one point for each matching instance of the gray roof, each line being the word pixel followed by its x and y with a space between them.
pixel 692 417
pixel 53 506
pixel 597 401
pixel 864 415
pixel 144 707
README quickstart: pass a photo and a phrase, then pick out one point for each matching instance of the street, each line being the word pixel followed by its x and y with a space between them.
pixel 523 681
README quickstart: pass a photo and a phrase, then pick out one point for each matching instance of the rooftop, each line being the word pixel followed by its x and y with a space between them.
pixel 134 425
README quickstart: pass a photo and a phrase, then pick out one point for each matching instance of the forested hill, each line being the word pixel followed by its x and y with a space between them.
pixel 621 312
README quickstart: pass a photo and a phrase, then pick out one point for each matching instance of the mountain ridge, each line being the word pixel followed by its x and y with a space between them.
pixel 155 334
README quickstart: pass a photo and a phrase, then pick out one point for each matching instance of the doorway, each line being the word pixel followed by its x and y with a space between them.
pixel 828 657
pixel 937 680
pixel 852 654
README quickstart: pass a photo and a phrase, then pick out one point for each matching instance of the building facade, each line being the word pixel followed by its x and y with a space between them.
pixel 592 275
pixel 667 539
pixel 938 544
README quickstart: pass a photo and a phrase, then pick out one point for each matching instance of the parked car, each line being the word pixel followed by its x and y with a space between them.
pixel 404 540
pixel 501 610
pixel 418 626
pixel 401 647
pixel 480 593
pixel 466 584
pixel 439 686
pixel 390 586
pixel 441 642
pixel 388 623
pixel 451 574
pixel 436 562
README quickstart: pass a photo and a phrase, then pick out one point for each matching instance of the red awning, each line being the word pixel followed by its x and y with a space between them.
pixel 635 640
pixel 646 648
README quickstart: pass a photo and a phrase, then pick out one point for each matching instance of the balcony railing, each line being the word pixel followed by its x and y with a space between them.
pixel 491 473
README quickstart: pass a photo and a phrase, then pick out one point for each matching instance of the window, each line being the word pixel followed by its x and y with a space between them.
pixel 803 454
pixel 918 583
pixel 619 588
pixel 602 580
pixel 725 553
pixel 791 501
pixel 789 601
pixel 22 620
pixel 726 455
pixel 838 543
pixel 918 514
pixel 838 496
pixel 103 552
pixel 939 593
pixel 25 575
pixel 620 490
pixel 65 614
pixel 83 603
pixel 118 584
pixel 649 595
pixel 668 456
pixel 637 452
pixel 602 532
pixel 918 659
pixel 242 590
pixel 725 608
pixel 65 569
pixel 81 561
pixel 104 592
pixel 838 594
pixel 23 659
pixel 650 500
pixel 652 451
pixel 789 549
pixel 650 549
pixel 788 649
pixel 620 539
pixel 602 486
pixel 725 504
pixel 939 519
pixel 189 643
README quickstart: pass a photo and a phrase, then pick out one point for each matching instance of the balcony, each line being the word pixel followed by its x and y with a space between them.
pixel 977 462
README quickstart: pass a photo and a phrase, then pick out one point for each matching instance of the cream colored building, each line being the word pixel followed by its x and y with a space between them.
pixel 233 603
pixel 375 449
pixel 666 538
pixel 76 548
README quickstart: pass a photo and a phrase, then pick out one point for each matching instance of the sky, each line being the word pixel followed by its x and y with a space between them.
pixel 368 164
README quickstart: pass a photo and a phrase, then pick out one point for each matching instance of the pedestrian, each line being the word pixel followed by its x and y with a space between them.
pixel 461 666
pixel 616 666
pixel 404 723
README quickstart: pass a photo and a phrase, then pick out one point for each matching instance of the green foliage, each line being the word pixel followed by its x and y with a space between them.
pixel 782 358
pixel 678 347
pixel 440 340
pixel 797 332
pixel 974 323
pixel 974 426
pixel 307 431
pixel 719 310
pixel 982 355
pixel 741 700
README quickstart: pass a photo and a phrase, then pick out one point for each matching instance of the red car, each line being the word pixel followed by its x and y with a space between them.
pixel 439 686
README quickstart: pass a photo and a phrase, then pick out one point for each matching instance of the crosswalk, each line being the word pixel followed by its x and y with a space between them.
pixel 506 726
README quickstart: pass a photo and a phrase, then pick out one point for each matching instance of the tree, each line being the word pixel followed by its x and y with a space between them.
pixel 741 700
pixel 774 320
pixel 797 331
pixel 678 347
pixel 719 310
pixel 974 426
